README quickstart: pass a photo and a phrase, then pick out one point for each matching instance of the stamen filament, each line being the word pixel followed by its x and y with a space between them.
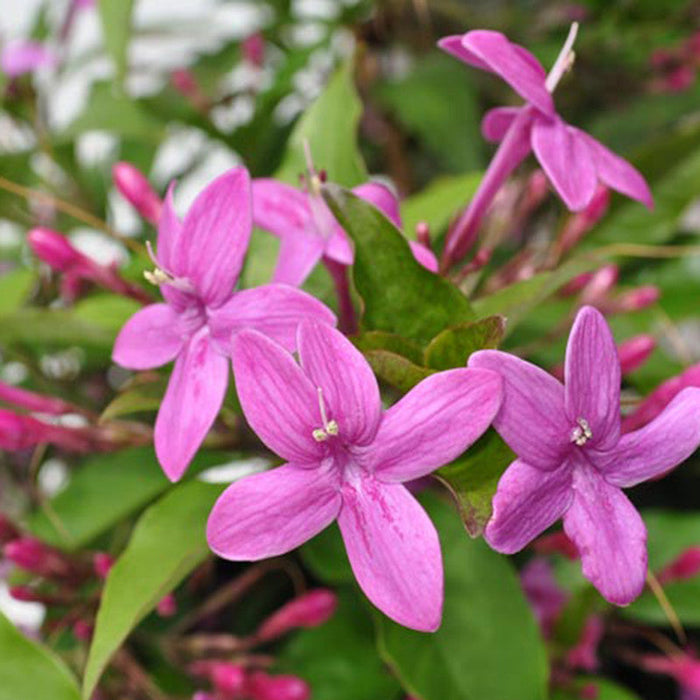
pixel 564 61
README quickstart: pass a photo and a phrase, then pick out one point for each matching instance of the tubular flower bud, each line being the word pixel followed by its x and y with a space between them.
pixel 33 555
pixel 308 610
pixel 57 252
pixel 600 284
pixel 102 563
pixel 635 352
pixel 137 190
pixel 637 299
pixel 228 679
pixel 686 565
pixel 167 606
pixel 32 401
pixel 262 686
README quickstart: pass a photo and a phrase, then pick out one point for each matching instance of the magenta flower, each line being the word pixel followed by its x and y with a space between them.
pixel 198 264
pixel 308 231
pixel 572 461
pixel 573 160
pixel 23 56
pixel 347 460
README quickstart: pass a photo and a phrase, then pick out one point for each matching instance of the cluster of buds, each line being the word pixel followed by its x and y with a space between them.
pixel 58 253
pixel 676 68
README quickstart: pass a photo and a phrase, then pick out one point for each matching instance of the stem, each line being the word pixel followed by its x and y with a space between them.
pixel 347 323
pixel 669 611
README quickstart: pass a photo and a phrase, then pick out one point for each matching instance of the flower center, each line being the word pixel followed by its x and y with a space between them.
pixel 160 276
pixel 582 433
pixel 329 427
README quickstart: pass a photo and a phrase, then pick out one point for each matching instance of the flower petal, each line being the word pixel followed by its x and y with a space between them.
pixel 280 209
pixel 394 552
pixel 279 401
pixel 531 419
pixel 592 372
pixel 514 64
pixel 527 502
pixel 169 230
pixel 382 198
pixel 190 405
pixel 338 247
pixel 610 536
pixel 567 160
pixel 616 172
pixel 424 256
pixel 350 390
pixel 657 447
pixel 434 423
pixel 215 235
pixel 299 253
pixel 270 513
pixel 497 121
pixel 272 309
pixel 150 338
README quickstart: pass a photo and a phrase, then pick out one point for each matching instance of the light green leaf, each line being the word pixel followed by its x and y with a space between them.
pixel 488 647
pixel 14 289
pixel 115 17
pixel 167 543
pixel 137 398
pixel 29 671
pixel 399 295
pixel 396 370
pixel 108 311
pixel 453 346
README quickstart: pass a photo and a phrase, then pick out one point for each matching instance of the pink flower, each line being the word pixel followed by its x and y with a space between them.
pixel 19 57
pixel 307 229
pixel 198 264
pixel 572 461
pixel 574 161
pixel 347 460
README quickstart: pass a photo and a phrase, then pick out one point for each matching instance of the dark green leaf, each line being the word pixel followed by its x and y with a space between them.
pixel 325 556
pixel 399 295
pixel 452 347
pixel 377 340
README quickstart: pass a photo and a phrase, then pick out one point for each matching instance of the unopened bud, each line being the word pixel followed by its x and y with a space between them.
pixel 32 401
pixel 308 610
pixel 262 686
pixel 556 543
pixel 685 566
pixel 423 233
pixel 580 223
pixel 684 668
pixel 56 250
pixel 253 49
pixel 167 606
pixel 228 678
pixel 33 555
pixel 25 594
pixel 575 285
pixel 602 281
pixel 584 655
pixel 637 299
pixel 137 190
pixel 101 564
pixel 184 81
pixel 82 629
pixel 634 352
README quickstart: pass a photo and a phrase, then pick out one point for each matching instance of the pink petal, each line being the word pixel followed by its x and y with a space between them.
pixel 657 447
pixel 497 121
pixel 567 161
pixel 195 393
pixel 394 552
pixel 616 172
pixel 531 419
pixel 527 502
pixel 454 46
pixel 279 209
pixel 610 536
pixel 215 235
pixel 339 247
pixel 350 390
pixel 268 514
pixel 514 64
pixel 592 384
pixel 169 230
pixel 424 256
pixel 279 401
pixel 299 253
pixel 19 57
pixel 150 338
pixel 434 423
pixel 272 309
pixel 382 198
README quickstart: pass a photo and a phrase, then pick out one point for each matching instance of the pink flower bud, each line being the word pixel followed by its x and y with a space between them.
pixel 575 285
pixel 253 49
pixel 685 566
pixel 136 189
pixel 544 595
pixel 601 283
pixel 584 655
pixel 26 594
pixel 57 252
pixel 33 555
pixel 582 222
pixel 83 630
pixel 262 686
pixel 634 352
pixel 556 543
pixel 228 678
pixel 32 401
pixel 423 233
pixel 589 691
pixel 678 79
pixel 201 695
pixel 655 403
pixel 308 610
pixel 683 667
pixel 102 563
pixel 184 81
pixel 167 606
pixel 637 299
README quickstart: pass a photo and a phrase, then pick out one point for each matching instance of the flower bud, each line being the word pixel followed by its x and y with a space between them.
pixel 584 655
pixel 683 667
pixel 32 401
pixel 137 190
pixel 423 233
pixel 637 299
pixel 228 678
pixel 602 281
pixel 308 610
pixel 101 564
pixel 686 565
pixel 634 352
pixel 253 49
pixel 556 543
pixel 33 555
pixel 82 629
pixel 580 223
pixel 57 251
pixel 262 686
pixel 167 606
pixel 184 81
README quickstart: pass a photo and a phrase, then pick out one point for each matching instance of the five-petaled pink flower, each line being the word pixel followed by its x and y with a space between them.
pixel 346 460
pixel 573 462
pixel 307 229
pixel 573 160
pixel 198 264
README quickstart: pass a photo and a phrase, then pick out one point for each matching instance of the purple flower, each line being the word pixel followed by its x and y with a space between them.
pixel 347 460
pixel 573 462
pixel 573 160
pixel 307 229
pixel 198 264
pixel 21 56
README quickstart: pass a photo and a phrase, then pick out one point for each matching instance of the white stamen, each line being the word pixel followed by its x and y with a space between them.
pixel 160 276
pixel 314 181
pixel 564 61
pixel 330 427
pixel 582 433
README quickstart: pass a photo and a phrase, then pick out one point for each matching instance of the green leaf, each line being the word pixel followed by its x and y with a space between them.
pixel 488 647
pixel 605 690
pixel 472 479
pixel 396 370
pixel 438 203
pixel 330 127
pixel 140 396
pixel 108 311
pixel 167 543
pixel 400 296
pixel 325 555
pixel 29 671
pixel 377 340
pixel 14 289
pixel 339 659
pixel 453 346
pixel 115 17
